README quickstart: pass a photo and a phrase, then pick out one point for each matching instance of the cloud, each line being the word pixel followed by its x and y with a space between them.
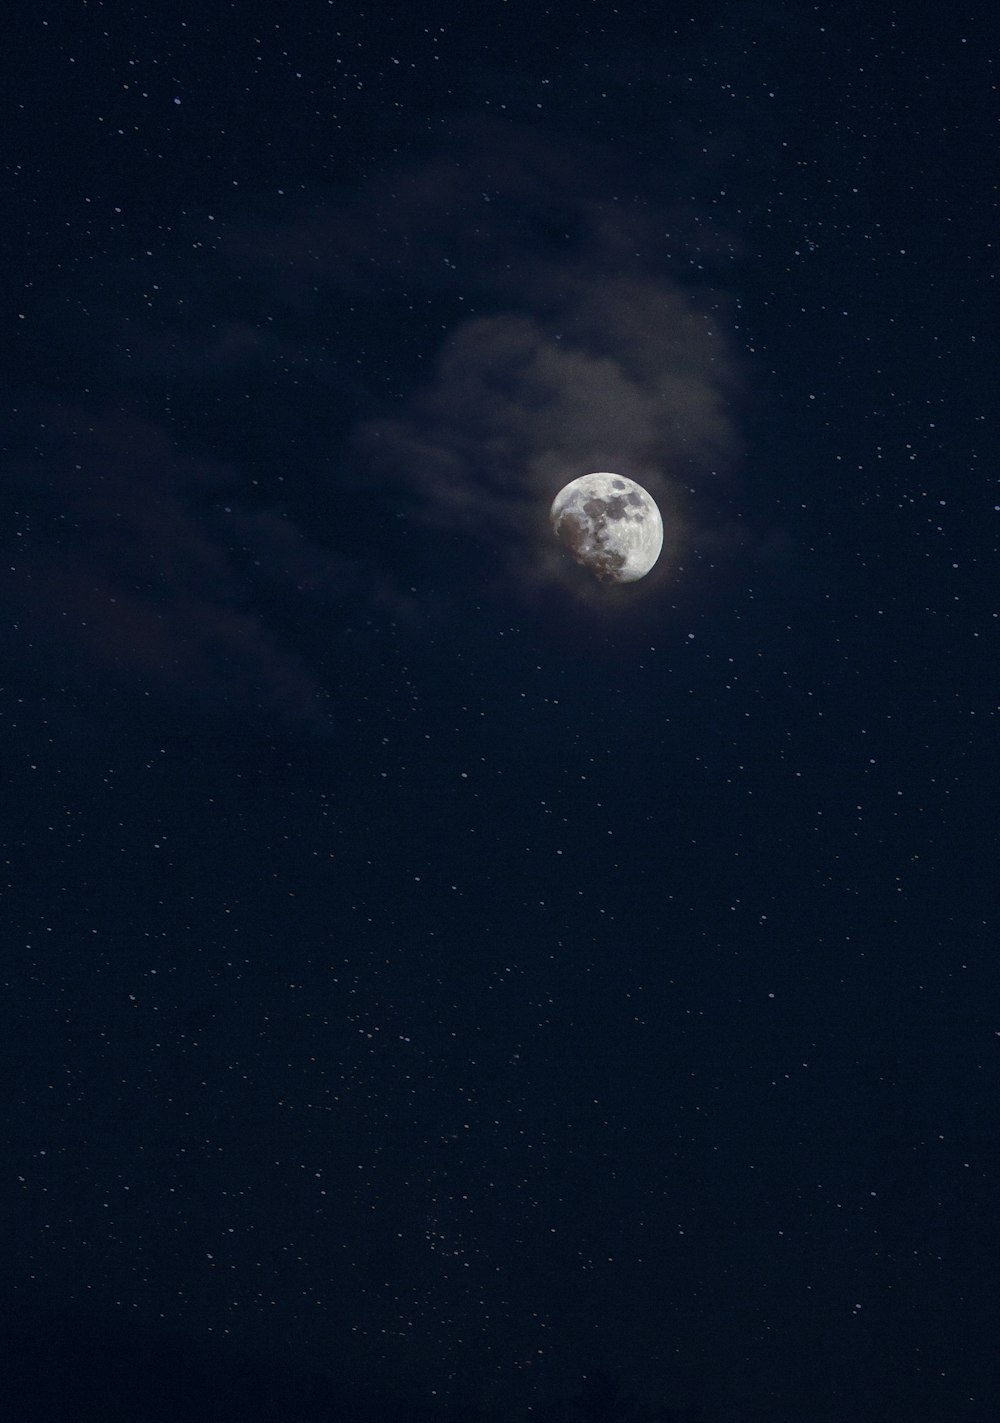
pixel 626 376
pixel 586 353
pixel 125 580
pixel 572 329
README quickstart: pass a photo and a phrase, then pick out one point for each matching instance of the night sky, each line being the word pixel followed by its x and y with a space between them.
pixel 430 974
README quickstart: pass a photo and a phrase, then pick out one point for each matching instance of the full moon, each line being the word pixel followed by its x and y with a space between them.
pixel 610 525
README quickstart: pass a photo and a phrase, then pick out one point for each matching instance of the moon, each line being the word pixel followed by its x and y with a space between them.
pixel 610 525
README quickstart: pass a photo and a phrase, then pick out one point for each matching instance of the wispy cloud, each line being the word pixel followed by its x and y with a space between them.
pixel 624 374
pixel 124 578
pixel 574 342
pixel 600 361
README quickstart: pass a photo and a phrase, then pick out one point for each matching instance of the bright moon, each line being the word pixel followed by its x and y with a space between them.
pixel 610 525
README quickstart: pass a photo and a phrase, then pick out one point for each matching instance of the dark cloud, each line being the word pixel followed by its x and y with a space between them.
pixel 626 374
pixel 586 351
pixel 572 341
pixel 124 577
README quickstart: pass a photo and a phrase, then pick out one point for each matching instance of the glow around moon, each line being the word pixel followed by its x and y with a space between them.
pixel 610 525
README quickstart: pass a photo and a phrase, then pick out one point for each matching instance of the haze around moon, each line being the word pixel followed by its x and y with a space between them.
pixel 610 525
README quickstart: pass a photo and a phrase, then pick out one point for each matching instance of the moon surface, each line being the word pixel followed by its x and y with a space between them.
pixel 610 525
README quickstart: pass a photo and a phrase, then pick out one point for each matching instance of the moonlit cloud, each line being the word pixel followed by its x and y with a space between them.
pixel 625 374
pixel 125 578
pixel 582 350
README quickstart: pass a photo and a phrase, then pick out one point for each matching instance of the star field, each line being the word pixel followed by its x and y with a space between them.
pixel 430 975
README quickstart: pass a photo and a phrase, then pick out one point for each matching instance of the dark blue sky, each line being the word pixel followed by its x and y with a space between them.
pixel 425 969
